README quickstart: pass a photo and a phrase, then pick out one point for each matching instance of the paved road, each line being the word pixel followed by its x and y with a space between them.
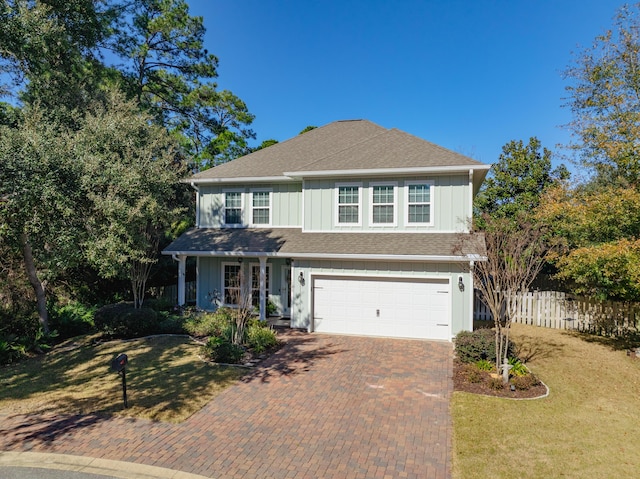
pixel 39 473
pixel 323 406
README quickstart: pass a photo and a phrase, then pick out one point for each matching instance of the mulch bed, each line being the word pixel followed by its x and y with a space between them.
pixel 460 383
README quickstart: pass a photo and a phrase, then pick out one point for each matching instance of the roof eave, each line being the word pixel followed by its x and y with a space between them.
pixel 331 256
pixel 239 179
pixel 388 171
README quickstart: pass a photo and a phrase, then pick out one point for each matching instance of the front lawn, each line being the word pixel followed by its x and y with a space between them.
pixel 589 426
pixel 166 379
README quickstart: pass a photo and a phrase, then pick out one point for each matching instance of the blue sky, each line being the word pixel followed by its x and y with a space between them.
pixel 469 75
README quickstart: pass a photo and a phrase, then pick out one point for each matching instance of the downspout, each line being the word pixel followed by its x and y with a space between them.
pixel 472 294
pixel 470 221
pixel 193 185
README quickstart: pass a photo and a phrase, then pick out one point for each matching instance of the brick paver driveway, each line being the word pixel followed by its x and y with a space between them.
pixel 322 407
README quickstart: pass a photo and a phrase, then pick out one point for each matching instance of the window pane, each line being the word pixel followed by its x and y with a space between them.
pixel 232 216
pixel 348 214
pixel 383 214
pixel 383 194
pixel 261 199
pixel 348 194
pixel 260 216
pixel 232 200
pixel 418 193
pixel 419 213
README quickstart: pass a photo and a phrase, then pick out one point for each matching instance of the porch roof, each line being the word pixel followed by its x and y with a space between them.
pixel 294 243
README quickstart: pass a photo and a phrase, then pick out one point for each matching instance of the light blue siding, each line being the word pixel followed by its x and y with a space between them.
pixel 286 203
pixel 451 200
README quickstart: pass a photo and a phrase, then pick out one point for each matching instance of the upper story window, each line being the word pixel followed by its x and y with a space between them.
pixel 383 204
pixel 419 203
pixel 348 208
pixel 233 208
pixel 261 207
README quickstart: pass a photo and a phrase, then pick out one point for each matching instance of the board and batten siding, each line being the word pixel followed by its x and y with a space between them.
pixel 461 301
pixel 450 204
pixel 286 207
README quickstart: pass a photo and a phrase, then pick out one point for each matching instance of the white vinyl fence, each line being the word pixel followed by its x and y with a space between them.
pixel 553 309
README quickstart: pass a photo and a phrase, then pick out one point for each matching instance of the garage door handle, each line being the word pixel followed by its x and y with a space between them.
pixel 440 324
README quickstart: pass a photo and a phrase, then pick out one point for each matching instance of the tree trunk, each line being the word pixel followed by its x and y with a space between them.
pixel 37 285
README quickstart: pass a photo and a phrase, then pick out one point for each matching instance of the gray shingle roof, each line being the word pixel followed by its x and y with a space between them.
pixel 289 242
pixel 341 145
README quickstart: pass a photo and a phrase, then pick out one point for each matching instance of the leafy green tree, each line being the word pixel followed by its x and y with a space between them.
pixel 40 198
pixel 605 102
pixel 170 73
pixel 130 169
pixel 48 51
pixel 517 180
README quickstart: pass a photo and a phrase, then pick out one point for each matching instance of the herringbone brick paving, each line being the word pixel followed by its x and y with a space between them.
pixel 322 407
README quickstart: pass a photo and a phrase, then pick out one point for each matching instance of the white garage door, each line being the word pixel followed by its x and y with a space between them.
pixel 382 307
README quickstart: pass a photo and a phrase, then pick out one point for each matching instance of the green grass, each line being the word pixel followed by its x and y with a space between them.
pixel 588 427
pixel 166 380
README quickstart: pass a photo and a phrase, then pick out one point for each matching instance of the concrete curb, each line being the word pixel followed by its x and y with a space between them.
pixel 103 467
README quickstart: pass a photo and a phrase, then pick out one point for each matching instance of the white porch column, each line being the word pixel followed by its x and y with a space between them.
pixel 182 270
pixel 263 288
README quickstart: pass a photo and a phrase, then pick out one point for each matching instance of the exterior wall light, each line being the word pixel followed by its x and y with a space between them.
pixel 301 278
pixel 460 283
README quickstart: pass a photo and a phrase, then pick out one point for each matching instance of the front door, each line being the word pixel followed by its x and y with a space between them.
pixel 285 290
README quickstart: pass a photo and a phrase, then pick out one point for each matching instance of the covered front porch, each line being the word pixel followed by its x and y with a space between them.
pixel 263 282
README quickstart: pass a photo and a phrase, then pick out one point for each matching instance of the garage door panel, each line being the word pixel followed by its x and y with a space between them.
pixel 382 307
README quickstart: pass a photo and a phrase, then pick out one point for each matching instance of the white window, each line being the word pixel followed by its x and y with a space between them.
pixel 383 204
pixel 255 283
pixel 231 283
pixel 261 208
pixel 348 204
pixel 419 202
pixel 232 207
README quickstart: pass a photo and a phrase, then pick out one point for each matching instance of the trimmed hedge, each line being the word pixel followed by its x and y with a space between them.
pixel 473 346
pixel 122 320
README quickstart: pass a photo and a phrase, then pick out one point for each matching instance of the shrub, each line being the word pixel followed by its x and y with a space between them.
pixel 527 381
pixel 473 346
pixel 471 373
pixel 159 304
pixel 517 368
pixel 72 319
pixel 170 324
pixel 484 365
pixel 496 384
pixel 219 324
pixel 260 337
pixel 11 350
pixel 122 320
pixel 222 350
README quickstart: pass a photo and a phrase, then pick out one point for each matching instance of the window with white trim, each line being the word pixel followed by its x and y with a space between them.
pixel 255 283
pixel 233 208
pixel 231 283
pixel 348 204
pixel 261 207
pixel 383 204
pixel 419 203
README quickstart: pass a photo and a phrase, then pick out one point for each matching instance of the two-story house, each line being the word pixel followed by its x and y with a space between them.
pixel 348 228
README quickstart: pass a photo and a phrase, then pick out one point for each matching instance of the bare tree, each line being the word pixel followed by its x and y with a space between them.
pixel 238 297
pixel 516 252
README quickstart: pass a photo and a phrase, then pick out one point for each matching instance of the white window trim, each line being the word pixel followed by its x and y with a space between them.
pixel 251 207
pixel 224 208
pixel 337 205
pixel 394 204
pixel 223 286
pixel 269 275
pixel 431 184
